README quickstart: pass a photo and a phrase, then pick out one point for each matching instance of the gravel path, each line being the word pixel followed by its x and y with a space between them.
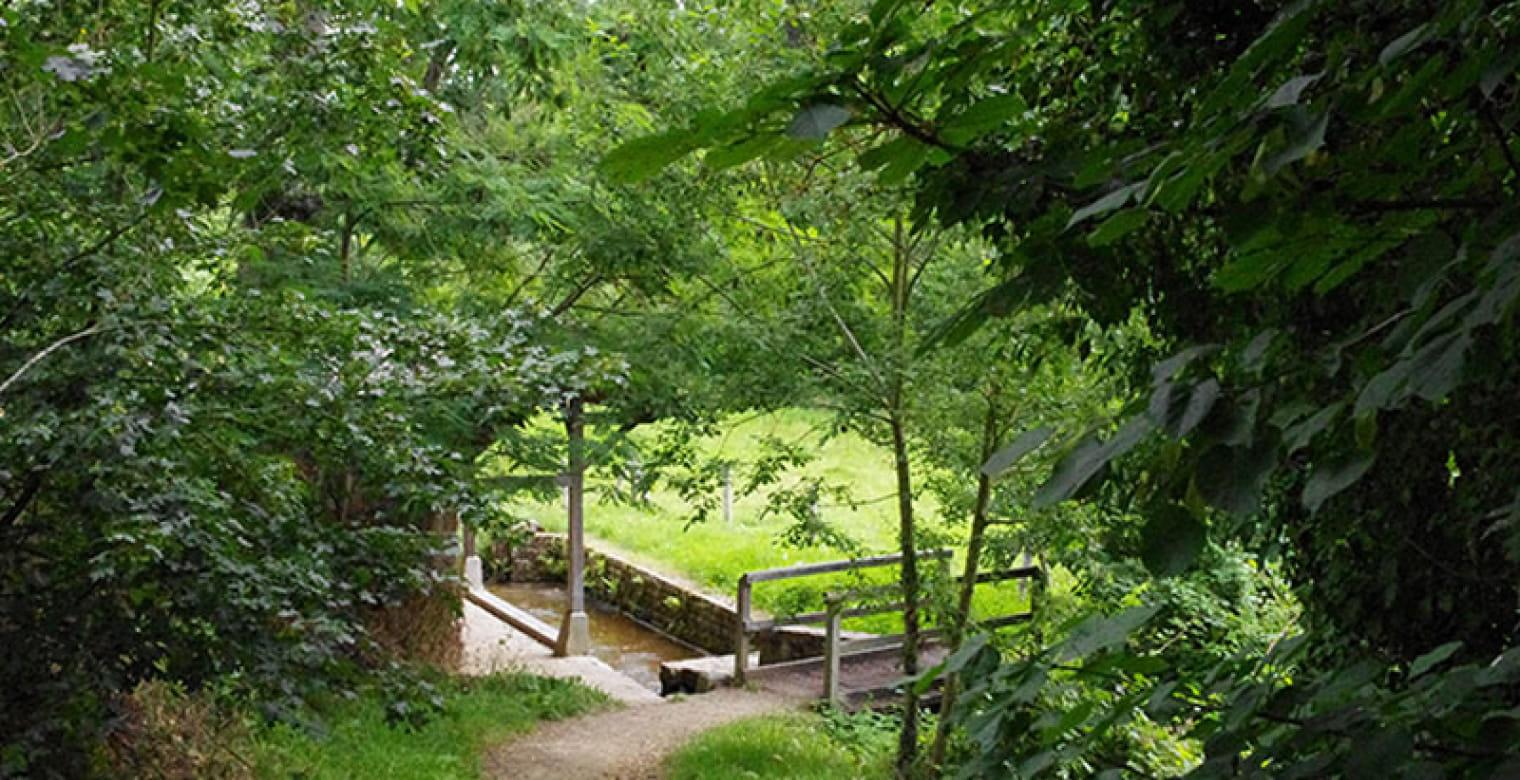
pixel 627 744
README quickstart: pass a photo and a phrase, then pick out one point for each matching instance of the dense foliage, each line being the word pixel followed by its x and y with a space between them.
pixel 228 435
pixel 1312 204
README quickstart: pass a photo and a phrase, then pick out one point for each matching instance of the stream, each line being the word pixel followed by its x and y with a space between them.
pixel 622 643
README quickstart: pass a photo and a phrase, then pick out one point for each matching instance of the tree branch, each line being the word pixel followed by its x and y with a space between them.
pixel 29 491
pixel 50 349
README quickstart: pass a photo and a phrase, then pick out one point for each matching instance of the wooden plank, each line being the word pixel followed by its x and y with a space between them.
pixel 1022 572
pixel 1005 620
pixel 522 621
pixel 831 660
pixel 810 618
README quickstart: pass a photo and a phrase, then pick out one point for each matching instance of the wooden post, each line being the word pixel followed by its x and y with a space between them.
pixel 831 651
pixel 741 630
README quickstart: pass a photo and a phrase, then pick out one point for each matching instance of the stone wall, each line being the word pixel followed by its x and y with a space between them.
pixel 692 617
pixel 540 559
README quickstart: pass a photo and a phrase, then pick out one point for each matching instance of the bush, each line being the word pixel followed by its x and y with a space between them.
pixel 167 733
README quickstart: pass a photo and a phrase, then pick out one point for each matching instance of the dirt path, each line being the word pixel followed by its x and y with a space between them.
pixel 626 744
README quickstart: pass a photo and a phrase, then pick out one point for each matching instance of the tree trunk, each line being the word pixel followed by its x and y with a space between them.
pixel 980 518
pixel 907 745
pixel 901 289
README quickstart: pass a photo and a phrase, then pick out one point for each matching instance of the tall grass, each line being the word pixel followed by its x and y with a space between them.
pixel 790 747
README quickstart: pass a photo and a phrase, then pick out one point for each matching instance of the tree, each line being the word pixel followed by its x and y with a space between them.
pixel 225 438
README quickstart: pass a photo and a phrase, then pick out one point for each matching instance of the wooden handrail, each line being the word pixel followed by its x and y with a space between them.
pixel 833 652
pixel 835 611
pixel 747 582
pixel 828 567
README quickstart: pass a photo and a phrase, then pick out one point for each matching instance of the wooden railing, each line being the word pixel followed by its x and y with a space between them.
pixel 838 608
pixel 747 625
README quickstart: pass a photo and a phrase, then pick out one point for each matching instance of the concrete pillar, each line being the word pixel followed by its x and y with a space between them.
pixel 575 631
pixel 474 572
pixel 728 494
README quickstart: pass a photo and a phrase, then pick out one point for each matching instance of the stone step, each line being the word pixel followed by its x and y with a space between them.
pixel 699 675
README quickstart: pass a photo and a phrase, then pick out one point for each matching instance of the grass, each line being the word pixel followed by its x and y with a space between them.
pixel 713 554
pixel 359 742
pixel 795 747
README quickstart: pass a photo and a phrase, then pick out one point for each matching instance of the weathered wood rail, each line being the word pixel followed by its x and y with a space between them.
pixel 747 624
pixel 846 604
pixel 838 609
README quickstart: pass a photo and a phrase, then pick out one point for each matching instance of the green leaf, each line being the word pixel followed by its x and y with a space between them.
pixel 1172 539
pixel 1253 358
pixel 1200 401
pixel 960 659
pixel 1429 660
pixel 1026 443
pixel 1382 754
pixel 1075 470
pixel 1232 478
pixel 1281 36
pixel 815 122
pixel 1249 271
pixel 1298 436
pixel 882 154
pixel 643 157
pixel 1033 285
pixel 1167 369
pixel 1405 43
pixel 1334 476
pixel 1289 93
pixel 1308 135
pixel 1073 717
pixel 1179 408
pixel 1101 632
pixel 883 10
pixel 1175 193
pixel 1113 200
pixel 1437 368
pixel 1118 226
pixel 722 157
pixel 910 158
pixel 983 116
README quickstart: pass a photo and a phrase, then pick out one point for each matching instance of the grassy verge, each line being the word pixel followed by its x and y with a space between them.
pixel 712 554
pixel 357 740
pixel 796 747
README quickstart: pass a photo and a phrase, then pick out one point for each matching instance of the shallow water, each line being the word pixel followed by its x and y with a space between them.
pixel 618 641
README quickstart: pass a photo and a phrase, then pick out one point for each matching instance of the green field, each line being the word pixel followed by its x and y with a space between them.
pixel 712 555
